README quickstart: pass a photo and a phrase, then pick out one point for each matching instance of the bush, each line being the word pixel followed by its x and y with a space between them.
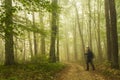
pixel 39 59
pixel 31 71
pixel 106 69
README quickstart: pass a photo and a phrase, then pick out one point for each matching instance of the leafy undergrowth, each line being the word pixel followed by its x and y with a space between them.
pixel 110 73
pixel 43 71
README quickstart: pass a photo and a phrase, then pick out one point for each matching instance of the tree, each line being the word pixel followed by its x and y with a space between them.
pixel 9 49
pixel 98 30
pixel 107 16
pixel 75 40
pixel 53 32
pixel 90 33
pixel 114 36
pixel 57 55
pixel 42 36
pixel 80 30
pixel 67 45
pixel 34 34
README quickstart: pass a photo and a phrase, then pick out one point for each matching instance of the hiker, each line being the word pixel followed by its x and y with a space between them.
pixel 89 59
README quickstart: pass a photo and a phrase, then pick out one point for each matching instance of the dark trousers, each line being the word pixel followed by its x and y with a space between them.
pixel 91 63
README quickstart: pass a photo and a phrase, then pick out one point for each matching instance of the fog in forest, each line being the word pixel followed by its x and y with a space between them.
pixel 59 31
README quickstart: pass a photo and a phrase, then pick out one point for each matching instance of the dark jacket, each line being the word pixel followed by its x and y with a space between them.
pixel 89 55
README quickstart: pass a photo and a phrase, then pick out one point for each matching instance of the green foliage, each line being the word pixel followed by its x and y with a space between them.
pixel 36 5
pixel 105 68
pixel 43 71
pixel 19 23
pixel 39 59
pixel 2 20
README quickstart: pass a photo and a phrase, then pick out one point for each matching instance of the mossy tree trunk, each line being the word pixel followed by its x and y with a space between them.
pixel 53 32
pixel 9 49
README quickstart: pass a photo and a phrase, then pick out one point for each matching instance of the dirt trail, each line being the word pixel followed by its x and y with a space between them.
pixel 76 72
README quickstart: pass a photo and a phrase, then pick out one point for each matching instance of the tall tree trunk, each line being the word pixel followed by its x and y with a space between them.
pixel 57 55
pixel 67 45
pixel 75 40
pixel 34 35
pixel 15 49
pixel 81 36
pixel 30 44
pixel 90 33
pixel 80 31
pixel 98 30
pixel 53 32
pixel 9 49
pixel 42 36
pixel 96 19
pixel 114 35
pixel 107 16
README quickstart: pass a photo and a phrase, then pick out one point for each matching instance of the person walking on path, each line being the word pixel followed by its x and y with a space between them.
pixel 89 59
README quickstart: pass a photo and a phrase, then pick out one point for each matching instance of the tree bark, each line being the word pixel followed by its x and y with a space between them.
pixel 75 40
pixel 108 34
pixel 80 31
pixel 53 33
pixel 98 30
pixel 58 54
pixel 9 49
pixel 67 45
pixel 42 36
pixel 90 33
pixel 30 45
pixel 114 36
pixel 34 35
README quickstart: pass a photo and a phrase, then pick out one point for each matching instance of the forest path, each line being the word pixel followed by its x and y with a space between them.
pixel 77 72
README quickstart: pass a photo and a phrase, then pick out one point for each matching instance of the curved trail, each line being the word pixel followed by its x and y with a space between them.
pixel 76 72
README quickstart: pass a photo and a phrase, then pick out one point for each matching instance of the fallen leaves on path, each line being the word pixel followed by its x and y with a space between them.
pixel 77 72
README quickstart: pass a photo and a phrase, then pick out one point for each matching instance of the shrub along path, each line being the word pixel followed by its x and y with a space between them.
pixel 77 72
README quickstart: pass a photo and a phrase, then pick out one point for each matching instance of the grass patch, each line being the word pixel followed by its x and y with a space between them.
pixel 31 71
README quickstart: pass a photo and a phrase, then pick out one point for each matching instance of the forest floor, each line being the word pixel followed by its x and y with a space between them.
pixel 56 71
pixel 76 72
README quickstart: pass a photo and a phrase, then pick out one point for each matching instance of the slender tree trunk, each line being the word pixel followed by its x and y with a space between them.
pixel 34 35
pixel 81 36
pixel 66 42
pixel 15 49
pixel 80 31
pixel 96 19
pixel 1 51
pixel 90 33
pixel 42 36
pixel 53 33
pixel 58 58
pixel 30 44
pixel 98 30
pixel 9 49
pixel 114 35
pixel 75 41
pixel 107 16
pixel 57 55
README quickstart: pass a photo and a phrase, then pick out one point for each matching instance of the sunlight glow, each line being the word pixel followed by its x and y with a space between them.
pixel 78 4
